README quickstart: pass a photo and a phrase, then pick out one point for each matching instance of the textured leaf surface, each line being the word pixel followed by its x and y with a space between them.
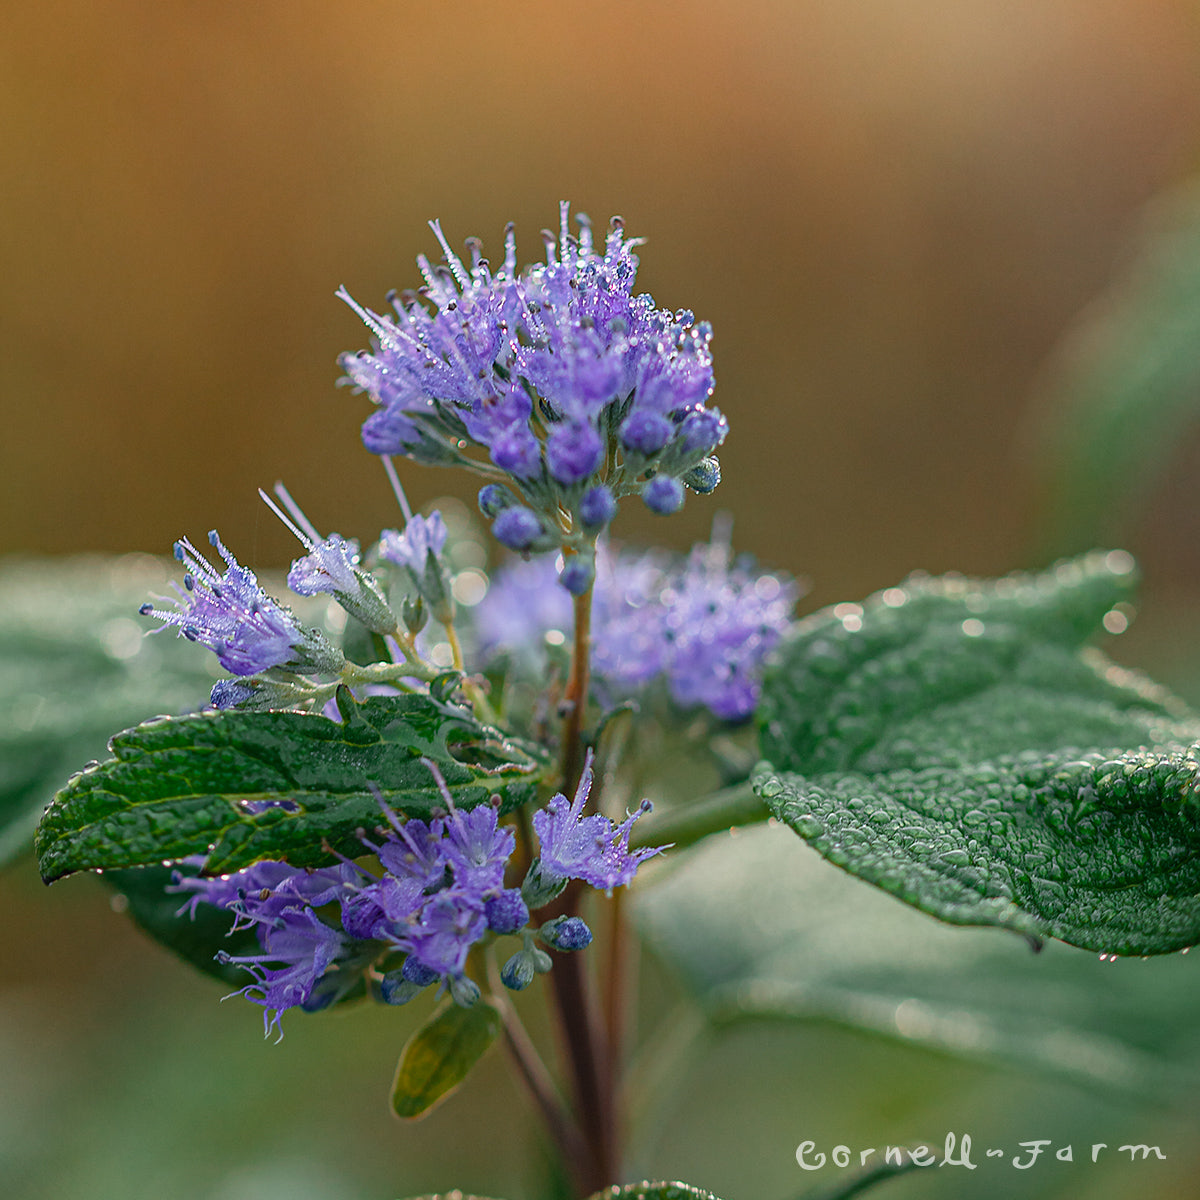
pixel 77 664
pixel 1126 393
pixel 440 1055
pixel 654 1191
pixel 951 742
pixel 758 925
pixel 241 787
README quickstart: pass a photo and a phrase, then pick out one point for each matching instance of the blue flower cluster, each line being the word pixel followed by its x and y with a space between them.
pixel 441 892
pixel 577 390
pixel 253 635
pixel 230 614
pixel 704 624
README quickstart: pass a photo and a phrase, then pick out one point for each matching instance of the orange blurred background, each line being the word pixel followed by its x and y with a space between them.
pixel 889 211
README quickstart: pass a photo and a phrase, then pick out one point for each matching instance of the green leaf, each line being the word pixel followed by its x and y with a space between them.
pixel 951 742
pixel 1125 394
pixel 76 665
pixel 440 1055
pixel 141 891
pixel 757 925
pixel 241 786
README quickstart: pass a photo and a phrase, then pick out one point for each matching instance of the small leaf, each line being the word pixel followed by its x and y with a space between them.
pixel 654 1191
pixel 951 742
pixel 241 786
pixel 440 1055
pixel 76 663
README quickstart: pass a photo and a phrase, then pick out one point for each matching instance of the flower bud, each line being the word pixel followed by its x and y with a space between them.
pixel 507 912
pixel 597 508
pixel 494 499
pixel 704 476
pixel 414 614
pixel 395 989
pixel 578 573
pixel 646 433
pixel 463 991
pixel 663 495
pixel 566 933
pixel 520 529
pixel 540 887
pixel 517 974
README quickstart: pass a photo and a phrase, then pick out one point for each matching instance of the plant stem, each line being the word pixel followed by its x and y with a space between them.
pixel 575 698
pixel 561 1124
pixel 587 1052
pixel 617 982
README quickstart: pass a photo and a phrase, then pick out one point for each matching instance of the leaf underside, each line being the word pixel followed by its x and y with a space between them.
pixel 239 787
pixel 155 910
pixel 759 926
pixel 953 742
pixel 440 1055
pixel 76 663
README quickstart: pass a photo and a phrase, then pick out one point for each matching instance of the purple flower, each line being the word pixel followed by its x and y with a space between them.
pixel 442 934
pixel 277 900
pixel 304 947
pixel 231 615
pixel 704 624
pixel 261 891
pixel 476 848
pixel 535 370
pixel 591 848
pixel 331 567
pixel 411 851
pixel 722 621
